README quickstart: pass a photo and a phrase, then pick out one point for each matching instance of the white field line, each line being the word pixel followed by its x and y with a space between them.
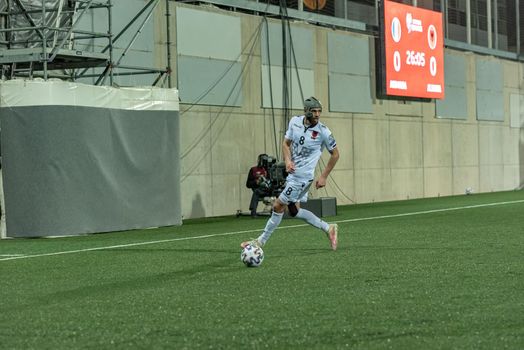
pixel 10 255
pixel 20 256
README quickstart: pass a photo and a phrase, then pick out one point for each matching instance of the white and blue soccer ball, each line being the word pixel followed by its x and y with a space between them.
pixel 252 256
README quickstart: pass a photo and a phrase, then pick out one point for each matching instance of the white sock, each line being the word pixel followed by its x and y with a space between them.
pixel 271 225
pixel 312 219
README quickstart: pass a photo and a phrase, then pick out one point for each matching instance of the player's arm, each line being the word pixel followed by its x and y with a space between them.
pixel 321 181
pixel 286 150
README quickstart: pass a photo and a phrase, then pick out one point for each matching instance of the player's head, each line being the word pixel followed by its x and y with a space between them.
pixel 312 109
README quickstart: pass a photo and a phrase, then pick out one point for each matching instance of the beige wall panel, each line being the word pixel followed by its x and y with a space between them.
pixel 491 178
pixel 245 195
pixel 404 108
pixel 511 79
pixel 251 60
pixel 342 130
pixel 407 183
pixel 438 181
pixel 465 144
pixel 471 74
pixel 159 46
pixel 471 95
pixel 371 143
pixel 321 48
pixel 379 107
pixel 511 146
pixel 511 177
pixel 271 129
pixel 521 180
pixel 226 195
pixel 437 145
pixel 251 85
pixel 320 78
pixel 196 196
pixel 428 111
pixel 465 177
pixel 491 145
pixel 339 185
pixel 195 143
pixel 232 140
pixel 406 144
pixel 373 185
pixel 520 73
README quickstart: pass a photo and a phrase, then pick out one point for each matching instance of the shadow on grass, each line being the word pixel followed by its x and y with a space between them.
pixel 92 289
pixel 182 272
pixel 168 250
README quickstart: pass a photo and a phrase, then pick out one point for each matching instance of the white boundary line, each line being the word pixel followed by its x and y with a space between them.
pixel 10 255
pixel 16 257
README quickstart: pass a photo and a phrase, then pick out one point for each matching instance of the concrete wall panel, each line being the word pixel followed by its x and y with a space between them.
pixel 371 145
pixel 438 181
pixel 491 178
pixel 491 144
pixel 465 177
pixel 465 145
pixel 373 185
pixel 437 145
pixel 407 183
pixel 406 144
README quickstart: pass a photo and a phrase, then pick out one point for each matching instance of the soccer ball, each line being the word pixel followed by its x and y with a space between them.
pixel 252 256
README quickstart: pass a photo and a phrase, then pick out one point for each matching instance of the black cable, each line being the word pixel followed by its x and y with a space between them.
pixel 200 136
pixel 292 50
pixel 277 150
pixel 295 60
pixel 332 180
pixel 285 83
pixel 197 163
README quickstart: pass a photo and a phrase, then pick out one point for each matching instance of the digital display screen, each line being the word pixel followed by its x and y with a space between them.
pixel 412 51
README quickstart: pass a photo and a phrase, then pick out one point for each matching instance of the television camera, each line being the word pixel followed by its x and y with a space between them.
pixel 274 183
pixel 267 180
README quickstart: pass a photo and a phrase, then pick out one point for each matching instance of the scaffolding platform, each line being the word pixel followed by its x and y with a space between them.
pixel 64 59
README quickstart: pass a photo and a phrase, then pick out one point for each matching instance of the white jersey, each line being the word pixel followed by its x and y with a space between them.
pixel 307 146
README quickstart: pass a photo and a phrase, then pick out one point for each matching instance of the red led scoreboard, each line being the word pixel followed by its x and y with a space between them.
pixel 412 52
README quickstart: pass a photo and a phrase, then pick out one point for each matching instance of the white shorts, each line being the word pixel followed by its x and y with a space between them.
pixel 295 191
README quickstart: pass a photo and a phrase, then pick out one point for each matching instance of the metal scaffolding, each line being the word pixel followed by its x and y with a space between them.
pixel 42 38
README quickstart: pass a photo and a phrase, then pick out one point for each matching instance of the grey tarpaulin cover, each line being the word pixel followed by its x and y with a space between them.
pixel 81 159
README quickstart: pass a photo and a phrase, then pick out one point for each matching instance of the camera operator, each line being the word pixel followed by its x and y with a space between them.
pixel 258 182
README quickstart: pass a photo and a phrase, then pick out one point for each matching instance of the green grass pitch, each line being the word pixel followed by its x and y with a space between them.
pixel 442 273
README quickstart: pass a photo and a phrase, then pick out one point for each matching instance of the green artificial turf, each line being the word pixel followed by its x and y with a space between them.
pixel 448 278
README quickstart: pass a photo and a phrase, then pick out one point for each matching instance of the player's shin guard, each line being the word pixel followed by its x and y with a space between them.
pixel 271 225
pixel 312 219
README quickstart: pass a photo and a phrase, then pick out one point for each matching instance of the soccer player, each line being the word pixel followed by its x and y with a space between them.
pixel 304 141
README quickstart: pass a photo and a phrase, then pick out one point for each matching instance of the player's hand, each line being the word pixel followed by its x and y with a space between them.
pixel 290 167
pixel 321 182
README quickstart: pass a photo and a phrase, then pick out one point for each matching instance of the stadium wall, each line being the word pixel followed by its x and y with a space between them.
pixel 390 150
pixel 82 159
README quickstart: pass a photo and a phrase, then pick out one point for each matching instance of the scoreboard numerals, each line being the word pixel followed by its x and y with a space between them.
pixel 414 58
